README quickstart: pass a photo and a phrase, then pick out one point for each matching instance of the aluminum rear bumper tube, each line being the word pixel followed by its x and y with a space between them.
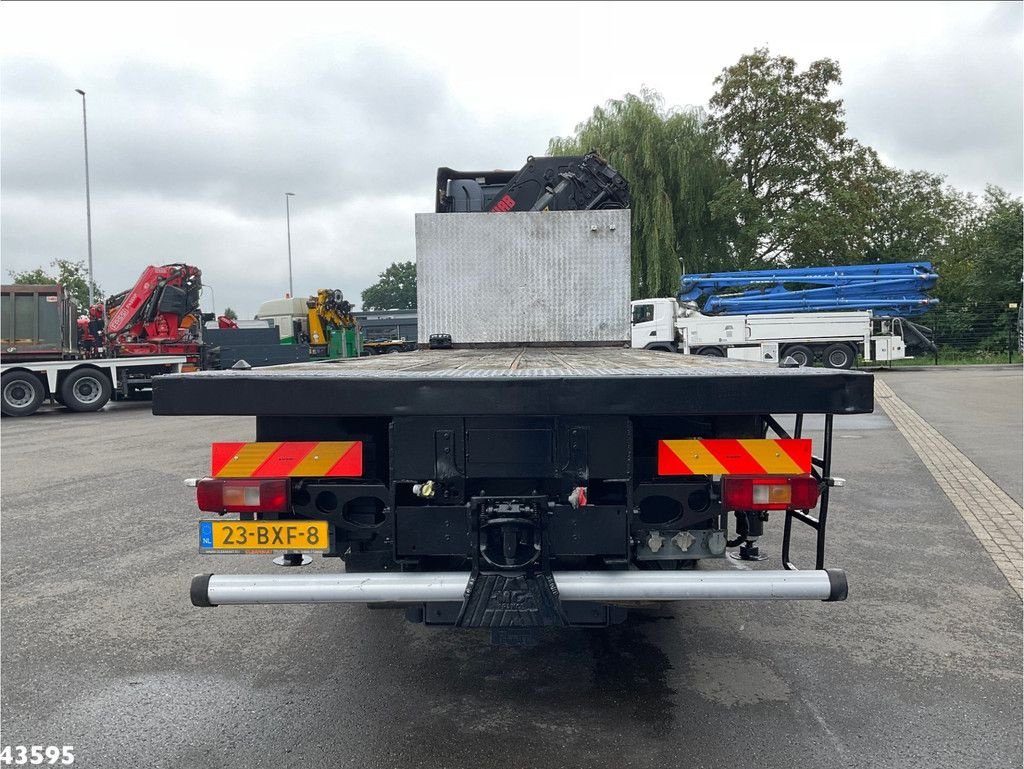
pixel 600 586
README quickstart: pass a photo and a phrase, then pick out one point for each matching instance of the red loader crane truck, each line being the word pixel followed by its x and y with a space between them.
pixel 523 468
pixel 159 315
pixel 116 350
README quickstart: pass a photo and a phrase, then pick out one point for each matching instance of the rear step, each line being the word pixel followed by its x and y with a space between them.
pixel 600 586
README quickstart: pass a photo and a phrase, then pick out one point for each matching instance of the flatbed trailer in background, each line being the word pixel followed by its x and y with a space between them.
pixel 81 385
pixel 48 353
pixel 536 473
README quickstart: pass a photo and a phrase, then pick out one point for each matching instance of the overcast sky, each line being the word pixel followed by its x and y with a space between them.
pixel 201 116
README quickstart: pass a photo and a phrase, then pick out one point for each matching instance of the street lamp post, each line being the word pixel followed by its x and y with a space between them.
pixel 88 203
pixel 213 297
pixel 288 219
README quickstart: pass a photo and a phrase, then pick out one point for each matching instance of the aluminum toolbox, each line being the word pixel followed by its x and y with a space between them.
pixel 551 278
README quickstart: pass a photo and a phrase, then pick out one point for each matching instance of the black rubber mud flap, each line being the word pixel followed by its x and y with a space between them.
pixel 511 600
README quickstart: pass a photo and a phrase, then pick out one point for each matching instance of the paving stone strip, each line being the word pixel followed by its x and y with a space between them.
pixel 994 516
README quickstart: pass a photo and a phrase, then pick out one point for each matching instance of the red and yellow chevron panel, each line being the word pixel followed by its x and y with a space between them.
pixel 744 456
pixel 290 459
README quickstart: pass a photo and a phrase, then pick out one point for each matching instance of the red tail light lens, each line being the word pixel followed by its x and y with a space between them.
pixel 242 495
pixel 749 492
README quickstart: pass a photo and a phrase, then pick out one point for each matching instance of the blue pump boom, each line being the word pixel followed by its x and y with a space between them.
pixel 896 290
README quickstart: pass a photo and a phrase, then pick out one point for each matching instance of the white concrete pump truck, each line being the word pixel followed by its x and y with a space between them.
pixel 523 468
pixel 834 338
pixel 808 314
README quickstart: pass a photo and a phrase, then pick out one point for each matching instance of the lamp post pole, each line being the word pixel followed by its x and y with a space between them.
pixel 213 297
pixel 88 203
pixel 288 219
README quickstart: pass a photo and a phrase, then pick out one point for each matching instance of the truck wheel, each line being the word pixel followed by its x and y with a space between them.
pixel 711 352
pixel 801 354
pixel 22 394
pixel 838 356
pixel 85 390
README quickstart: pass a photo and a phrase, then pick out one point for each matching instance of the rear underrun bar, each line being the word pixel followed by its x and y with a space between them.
pixel 600 586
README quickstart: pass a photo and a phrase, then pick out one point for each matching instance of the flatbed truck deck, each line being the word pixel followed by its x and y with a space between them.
pixel 517 380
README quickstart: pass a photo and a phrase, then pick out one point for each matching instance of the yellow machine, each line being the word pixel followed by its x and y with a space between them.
pixel 332 329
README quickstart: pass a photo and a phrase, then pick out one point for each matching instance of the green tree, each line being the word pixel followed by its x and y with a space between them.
pixel 915 216
pixel 71 275
pixel 880 214
pixel 36 277
pixel 995 282
pixel 998 249
pixel 980 275
pixel 395 290
pixel 785 143
pixel 832 228
pixel 668 155
pixel 230 314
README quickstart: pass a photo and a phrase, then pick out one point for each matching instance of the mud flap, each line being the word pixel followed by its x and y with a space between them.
pixel 511 600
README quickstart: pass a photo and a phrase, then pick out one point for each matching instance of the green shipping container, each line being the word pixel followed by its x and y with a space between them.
pixel 37 323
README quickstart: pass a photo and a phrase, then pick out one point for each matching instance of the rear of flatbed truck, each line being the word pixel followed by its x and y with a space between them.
pixel 500 484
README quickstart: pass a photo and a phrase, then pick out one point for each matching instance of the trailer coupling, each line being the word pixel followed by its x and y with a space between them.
pixel 597 586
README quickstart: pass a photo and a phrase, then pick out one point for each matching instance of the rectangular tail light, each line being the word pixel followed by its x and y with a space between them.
pixel 749 492
pixel 244 495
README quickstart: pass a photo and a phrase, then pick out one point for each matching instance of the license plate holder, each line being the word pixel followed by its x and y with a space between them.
pixel 264 536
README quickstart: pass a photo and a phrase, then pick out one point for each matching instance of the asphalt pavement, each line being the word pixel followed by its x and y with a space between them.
pixel 978 408
pixel 101 649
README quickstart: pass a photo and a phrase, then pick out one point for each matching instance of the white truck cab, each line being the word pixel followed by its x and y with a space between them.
pixel 284 313
pixel 654 324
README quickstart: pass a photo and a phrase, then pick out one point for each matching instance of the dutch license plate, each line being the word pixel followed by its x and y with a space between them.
pixel 263 536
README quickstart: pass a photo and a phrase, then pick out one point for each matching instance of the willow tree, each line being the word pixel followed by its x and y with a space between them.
pixel 668 155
